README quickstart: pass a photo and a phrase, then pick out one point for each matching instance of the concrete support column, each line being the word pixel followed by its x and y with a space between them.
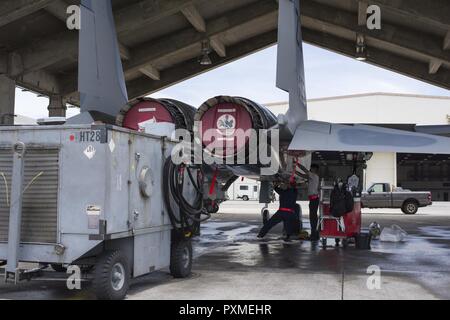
pixel 7 100
pixel 57 106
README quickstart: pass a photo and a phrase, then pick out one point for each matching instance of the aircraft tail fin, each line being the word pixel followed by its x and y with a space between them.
pixel 290 64
pixel 101 81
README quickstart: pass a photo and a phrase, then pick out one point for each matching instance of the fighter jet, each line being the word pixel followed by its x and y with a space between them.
pixel 103 95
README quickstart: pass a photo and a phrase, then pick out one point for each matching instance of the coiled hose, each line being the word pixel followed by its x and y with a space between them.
pixel 187 222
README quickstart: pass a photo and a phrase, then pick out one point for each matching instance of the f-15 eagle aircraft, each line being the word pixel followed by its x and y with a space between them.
pixel 104 96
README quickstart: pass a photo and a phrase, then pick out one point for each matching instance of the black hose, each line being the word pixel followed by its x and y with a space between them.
pixel 166 195
pixel 190 215
pixel 177 183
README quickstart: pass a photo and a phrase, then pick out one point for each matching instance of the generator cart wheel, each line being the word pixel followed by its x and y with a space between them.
pixel 181 258
pixel 245 198
pixel 112 276
pixel 410 207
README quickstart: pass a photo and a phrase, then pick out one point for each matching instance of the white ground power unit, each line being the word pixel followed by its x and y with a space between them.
pixel 89 196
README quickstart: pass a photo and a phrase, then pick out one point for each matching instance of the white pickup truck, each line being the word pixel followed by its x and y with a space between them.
pixel 382 195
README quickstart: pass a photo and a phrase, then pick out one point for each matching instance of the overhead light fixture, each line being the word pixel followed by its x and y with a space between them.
pixel 206 50
pixel 206 60
pixel 361 52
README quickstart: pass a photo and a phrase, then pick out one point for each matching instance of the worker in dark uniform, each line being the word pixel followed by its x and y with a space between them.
pixel 286 212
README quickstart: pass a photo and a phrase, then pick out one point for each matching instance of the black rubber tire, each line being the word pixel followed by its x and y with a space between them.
pixel 245 198
pixel 181 259
pixel 410 207
pixel 58 267
pixel 102 283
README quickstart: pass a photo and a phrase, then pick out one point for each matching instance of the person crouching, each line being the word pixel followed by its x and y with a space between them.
pixel 286 213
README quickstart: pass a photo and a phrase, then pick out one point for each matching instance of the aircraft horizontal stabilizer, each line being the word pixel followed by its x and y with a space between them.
pixel 323 136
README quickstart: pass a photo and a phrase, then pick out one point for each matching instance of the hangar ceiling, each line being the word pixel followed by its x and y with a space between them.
pixel 161 40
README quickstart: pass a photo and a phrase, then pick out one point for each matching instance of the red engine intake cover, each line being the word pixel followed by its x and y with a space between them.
pixel 229 121
pixel 144 111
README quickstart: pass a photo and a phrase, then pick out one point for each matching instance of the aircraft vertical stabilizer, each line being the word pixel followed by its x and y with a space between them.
pixel 290 64
pixel 101 81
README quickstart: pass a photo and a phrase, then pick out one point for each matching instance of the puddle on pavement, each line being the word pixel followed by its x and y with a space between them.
pixel 433 241
pixel 215 234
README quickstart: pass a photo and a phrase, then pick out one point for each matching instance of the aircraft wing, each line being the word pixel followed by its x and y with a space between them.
pixel 323 136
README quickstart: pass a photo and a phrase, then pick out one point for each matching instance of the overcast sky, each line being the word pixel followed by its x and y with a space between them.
pixel 327 74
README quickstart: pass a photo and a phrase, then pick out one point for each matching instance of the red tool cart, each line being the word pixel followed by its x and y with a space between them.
pixel 343 228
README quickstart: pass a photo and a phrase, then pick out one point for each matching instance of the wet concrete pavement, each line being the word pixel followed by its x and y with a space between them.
pixel 231 263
